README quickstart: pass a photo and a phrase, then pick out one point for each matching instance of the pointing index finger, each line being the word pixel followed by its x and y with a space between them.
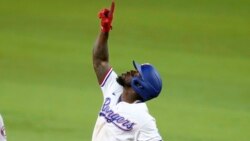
pixel 112 8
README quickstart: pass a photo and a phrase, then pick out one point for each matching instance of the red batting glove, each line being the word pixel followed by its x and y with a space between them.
pixel 106 17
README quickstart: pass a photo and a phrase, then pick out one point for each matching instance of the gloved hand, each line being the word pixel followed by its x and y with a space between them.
pixel 106 17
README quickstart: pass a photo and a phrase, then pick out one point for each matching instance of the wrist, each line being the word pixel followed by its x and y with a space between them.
pixel 106 26
pixel 105 29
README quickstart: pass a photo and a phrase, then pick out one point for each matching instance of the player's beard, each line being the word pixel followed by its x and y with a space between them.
pixel 120 80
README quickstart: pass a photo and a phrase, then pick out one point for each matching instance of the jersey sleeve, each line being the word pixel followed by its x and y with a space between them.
pixel 109 84
pixel 148 132
pixel 2 130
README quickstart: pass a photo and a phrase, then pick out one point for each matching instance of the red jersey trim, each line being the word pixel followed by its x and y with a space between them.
pixel 102 83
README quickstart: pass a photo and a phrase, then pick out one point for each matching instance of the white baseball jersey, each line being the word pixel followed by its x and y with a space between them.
pixel 2 130
pixel 121 121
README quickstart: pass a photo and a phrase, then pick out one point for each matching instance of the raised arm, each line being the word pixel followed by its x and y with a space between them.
pixel 101 56
pixel 100 50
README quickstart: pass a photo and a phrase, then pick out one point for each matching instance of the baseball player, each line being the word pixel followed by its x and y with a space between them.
pixel 2 130
pixel 124 115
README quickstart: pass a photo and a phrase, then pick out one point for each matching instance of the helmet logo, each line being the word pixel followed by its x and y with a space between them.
pixel 138 85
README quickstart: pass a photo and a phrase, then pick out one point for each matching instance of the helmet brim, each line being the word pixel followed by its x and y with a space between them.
pixel 137 67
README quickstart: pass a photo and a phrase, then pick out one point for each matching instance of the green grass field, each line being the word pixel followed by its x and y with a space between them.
pixel 49 92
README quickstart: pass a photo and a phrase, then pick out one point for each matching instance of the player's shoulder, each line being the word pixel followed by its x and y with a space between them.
pixel 108 77
pixel 109 85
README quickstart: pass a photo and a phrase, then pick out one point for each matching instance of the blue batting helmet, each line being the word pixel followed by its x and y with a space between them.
pixel 148 85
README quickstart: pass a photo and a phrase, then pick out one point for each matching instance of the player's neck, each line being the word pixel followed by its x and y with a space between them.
pixel 128 95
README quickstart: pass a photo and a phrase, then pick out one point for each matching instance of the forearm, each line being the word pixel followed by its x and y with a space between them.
pixel 100 50
pixel 101 56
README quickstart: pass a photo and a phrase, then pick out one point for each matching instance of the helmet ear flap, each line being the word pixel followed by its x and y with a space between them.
pixel 140 87
pixel 136 82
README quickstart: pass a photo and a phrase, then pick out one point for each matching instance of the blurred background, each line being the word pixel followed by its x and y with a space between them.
pixel 49 92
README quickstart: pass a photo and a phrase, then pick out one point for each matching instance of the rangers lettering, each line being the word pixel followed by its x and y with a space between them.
pixel 116 119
